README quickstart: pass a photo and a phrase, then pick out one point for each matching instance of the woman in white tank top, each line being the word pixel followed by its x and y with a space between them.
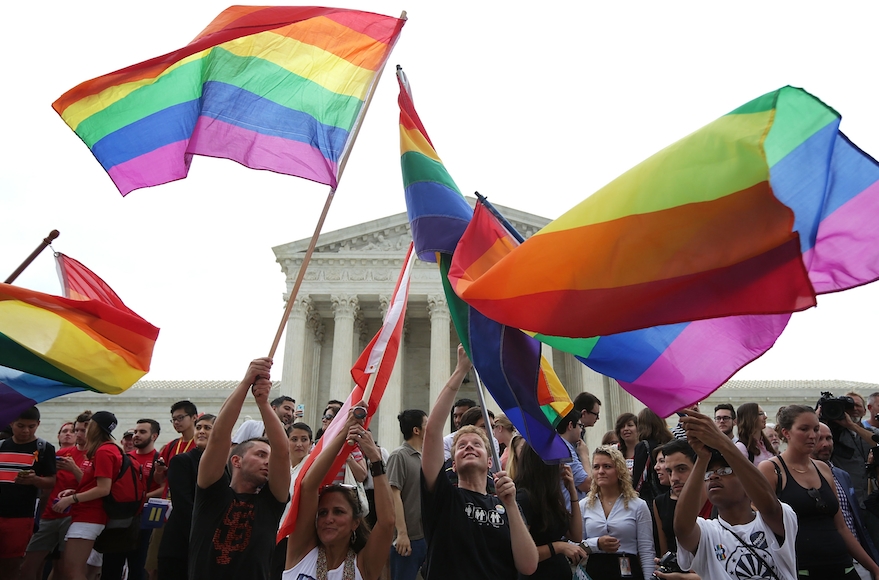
pixel 331 540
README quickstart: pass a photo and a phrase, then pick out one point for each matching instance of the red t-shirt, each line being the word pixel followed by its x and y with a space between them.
pixel 106 463
pixel 63 480
pixel 146 460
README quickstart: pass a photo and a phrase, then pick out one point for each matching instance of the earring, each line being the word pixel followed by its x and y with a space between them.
pixel 353 537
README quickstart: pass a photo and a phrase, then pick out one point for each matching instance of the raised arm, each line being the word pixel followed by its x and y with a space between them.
pixel 690 501
pixel 432 457
pixel 279 460
pixel 757 487
pixel 304 535
pixel 372 558
pixel 213 461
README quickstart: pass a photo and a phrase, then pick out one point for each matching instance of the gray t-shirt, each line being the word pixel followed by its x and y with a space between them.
pixel 404 473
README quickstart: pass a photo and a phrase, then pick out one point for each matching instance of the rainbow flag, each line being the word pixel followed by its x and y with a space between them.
pixel 52 346
pixel 271 87
pixel 438 213
pixel 509 363
pixel 830 189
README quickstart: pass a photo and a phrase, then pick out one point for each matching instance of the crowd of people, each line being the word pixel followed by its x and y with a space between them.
pixel 727 495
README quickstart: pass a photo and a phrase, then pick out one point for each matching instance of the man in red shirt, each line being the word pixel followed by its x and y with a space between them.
pixel 145 454
pixel 53 526
pixel 183 416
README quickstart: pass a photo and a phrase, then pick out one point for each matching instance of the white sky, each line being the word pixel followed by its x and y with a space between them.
pixel 534 105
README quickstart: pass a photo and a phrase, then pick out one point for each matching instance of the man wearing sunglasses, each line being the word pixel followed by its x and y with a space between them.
pixel 740 543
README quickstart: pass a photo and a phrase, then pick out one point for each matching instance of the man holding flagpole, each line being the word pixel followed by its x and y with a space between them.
pixel 470 534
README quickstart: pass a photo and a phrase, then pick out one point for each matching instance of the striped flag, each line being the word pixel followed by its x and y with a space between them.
pixel 377 359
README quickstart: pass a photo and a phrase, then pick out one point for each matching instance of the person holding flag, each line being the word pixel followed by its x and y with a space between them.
pixel 470 534
pixel 331 531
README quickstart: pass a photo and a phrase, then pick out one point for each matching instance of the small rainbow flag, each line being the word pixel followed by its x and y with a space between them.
pixel 51 346
pixel 271 87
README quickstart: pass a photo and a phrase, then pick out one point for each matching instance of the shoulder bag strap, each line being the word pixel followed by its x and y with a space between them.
pixel 751 549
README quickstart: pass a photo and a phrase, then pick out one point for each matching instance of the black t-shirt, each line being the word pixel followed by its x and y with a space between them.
pixel 17 500
pixel 182 478
pixel 233 535
pixel 555 566
pixel 468 534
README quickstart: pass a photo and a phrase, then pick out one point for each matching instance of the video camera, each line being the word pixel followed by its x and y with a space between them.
pixel 834 408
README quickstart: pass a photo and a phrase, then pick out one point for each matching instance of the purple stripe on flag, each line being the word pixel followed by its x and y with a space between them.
pixel 845 254
pixel 704 356
pixel 215 138
pixel 162 165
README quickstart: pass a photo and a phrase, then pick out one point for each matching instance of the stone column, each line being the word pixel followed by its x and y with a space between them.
pixel 311 380
pixel 439 344
pixel 345 310
pixel 389 435
pixel 546 352
pixel 292 384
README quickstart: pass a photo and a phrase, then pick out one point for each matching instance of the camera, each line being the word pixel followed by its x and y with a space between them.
pixel 668 563
pixel 835 408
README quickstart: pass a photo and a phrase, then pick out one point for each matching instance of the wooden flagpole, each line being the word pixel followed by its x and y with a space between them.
pixel 27 262
pixel 323 216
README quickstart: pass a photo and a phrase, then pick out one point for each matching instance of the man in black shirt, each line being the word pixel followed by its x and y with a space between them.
pixel 27 465
pixel 235 519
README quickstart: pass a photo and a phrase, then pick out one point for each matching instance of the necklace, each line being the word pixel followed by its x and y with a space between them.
pixel 347 571
pixel 799 470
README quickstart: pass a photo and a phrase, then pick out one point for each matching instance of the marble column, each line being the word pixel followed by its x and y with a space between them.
pixel 292 384
pixel 392 402
pixel 345 310
pixel 440 346
pixel 311 380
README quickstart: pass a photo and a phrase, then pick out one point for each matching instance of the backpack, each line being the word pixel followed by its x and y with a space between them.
pixel 128 492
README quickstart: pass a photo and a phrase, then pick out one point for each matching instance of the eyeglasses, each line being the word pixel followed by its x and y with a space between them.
pixel 592 413
pixel 328 417
pixel 720 471
pixel 179 418
pixel 819 501
pixel 721 419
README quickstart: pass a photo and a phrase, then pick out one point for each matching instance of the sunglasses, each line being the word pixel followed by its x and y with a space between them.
pixel 720 471
pixel 819 501
pixel 328 417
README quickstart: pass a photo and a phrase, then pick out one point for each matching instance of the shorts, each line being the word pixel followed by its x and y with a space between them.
pixel 96 559
pixel 15 533
pixel 84 531
pixel 50 535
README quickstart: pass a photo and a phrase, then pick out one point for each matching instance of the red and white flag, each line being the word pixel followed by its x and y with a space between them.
pixel 378 358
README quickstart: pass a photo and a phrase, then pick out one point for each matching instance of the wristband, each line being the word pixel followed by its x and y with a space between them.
pixel 551 549
pixel 377 468
pixel 75 499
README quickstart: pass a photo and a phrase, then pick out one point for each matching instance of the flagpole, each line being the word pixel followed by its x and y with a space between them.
pixel 323 216
pixel 27 262
pixel 488 425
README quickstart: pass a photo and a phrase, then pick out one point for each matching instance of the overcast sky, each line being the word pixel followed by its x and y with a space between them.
pixel 534 105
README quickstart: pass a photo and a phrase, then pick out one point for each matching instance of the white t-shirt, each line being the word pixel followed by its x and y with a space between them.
pixel 249 430
pixel 306 569
pixel 720 555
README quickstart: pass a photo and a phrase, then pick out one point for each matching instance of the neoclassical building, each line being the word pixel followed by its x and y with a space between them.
pixel 338 310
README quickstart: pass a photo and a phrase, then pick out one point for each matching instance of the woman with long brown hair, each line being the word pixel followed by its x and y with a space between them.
pixel 753 443
pixel 652 432
pixel 824 545
pixel 626 429
pixel 617 525
pixel 86 502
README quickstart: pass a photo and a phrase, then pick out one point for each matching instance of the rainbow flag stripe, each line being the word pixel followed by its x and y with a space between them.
pixel 438 213
pixel 51 346
pixel 276 88
pixel 831 189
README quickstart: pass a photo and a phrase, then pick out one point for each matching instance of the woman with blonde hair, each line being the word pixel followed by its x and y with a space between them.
pixel 515 449
pixel 504 432
pixel 616 523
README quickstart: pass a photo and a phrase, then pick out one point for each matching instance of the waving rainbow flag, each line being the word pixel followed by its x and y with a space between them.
pixel 508 361
pixel 51 346
pixel 271 87
pixel 828 188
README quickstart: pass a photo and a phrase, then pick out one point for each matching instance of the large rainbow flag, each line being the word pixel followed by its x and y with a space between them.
pixel 798 179
pixel 508 361
pixel 51 346
pixel 271 87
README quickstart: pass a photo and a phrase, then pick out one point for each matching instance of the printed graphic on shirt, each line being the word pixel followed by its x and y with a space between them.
pixel 743 564
pixel 11 462
pixel 234 532
pixel 482 516
pixel 305 577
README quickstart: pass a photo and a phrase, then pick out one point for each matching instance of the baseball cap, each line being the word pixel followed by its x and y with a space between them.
pixel 105 420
